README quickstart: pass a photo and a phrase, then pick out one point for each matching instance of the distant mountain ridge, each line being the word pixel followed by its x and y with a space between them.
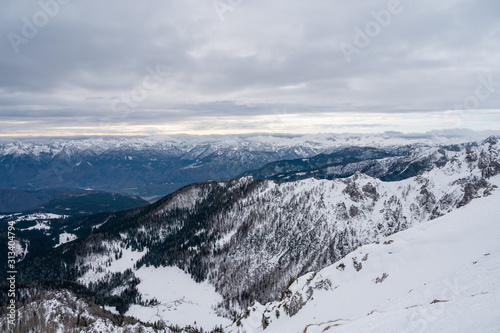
pixel 388 165
pixel 342 156
pixel 154 166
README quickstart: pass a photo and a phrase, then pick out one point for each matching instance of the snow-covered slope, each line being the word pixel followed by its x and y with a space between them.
pixel 176 299
pixel 400 164
pixel 440 276
pixel 49 225
pixel 281 230
pixel 248 238
pixel 168 294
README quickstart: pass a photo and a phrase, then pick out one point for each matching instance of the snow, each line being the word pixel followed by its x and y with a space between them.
pixel 38 216
pixel 97 226
pixel 182 301
pixel 65 237
pixel 225 239
pixel 128 259
pixel 21 249
pixel 111 309
pixel 398 280
pixel 184 199
pixel 62 308
pixel 200 146
pixel 40 225
pixel 99 262
pixel 440 276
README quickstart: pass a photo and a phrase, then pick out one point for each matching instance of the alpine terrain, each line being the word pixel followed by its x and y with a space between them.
pixel 155 166
pixel 371 239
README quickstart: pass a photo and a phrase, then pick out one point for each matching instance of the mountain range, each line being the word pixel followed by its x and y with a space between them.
pixel 155 166
pixel 248 239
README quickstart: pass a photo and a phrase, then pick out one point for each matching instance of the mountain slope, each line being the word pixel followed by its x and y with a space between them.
pixel 55 219
pixel 389 165
pixel 441 276
pixel 249 238
pixel 53 307
pixel 343 156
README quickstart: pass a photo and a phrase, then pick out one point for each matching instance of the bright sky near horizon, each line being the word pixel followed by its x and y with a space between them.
pixel 240 66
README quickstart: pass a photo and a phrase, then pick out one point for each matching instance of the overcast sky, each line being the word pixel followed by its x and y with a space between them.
pixel 239 66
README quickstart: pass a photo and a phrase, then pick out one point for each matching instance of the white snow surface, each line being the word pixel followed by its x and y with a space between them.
pixel 65 237
pixel 42 220
pixel 100 265
pixel 42 216
pixel 40 225
pixel 439 276
pixel 182 301
pixel 21 249
pixel 35 216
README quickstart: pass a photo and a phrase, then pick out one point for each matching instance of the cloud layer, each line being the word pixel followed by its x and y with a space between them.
pixel 232 66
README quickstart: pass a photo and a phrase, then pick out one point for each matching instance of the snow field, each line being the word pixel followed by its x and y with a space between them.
pixel 182 301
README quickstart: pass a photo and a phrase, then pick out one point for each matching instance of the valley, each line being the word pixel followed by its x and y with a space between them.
pixel 223 253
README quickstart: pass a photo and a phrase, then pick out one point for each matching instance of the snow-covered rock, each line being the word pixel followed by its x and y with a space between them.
pixel 440 276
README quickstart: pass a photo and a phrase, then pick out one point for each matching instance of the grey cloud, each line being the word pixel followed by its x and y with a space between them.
pixel 263 57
